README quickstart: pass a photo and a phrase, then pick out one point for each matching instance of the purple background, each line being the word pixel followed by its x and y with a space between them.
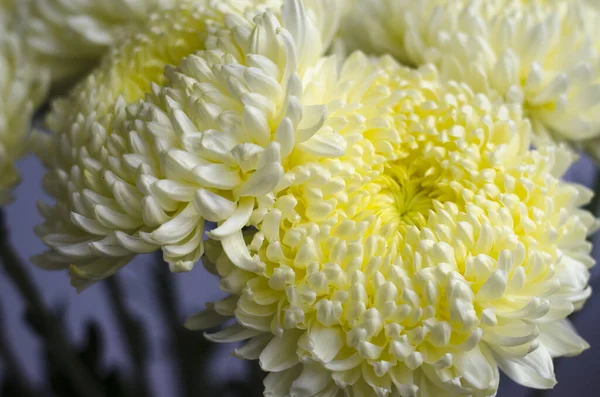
pixel 576 376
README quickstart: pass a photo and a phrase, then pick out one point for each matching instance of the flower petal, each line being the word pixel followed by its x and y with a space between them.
pixel 534 370
pixel 205 319
pixel 213 207
pixel 561 339
pixel 280 354
pixel 235 222
pixel 278 384
pixel 236 250
pixel 235 333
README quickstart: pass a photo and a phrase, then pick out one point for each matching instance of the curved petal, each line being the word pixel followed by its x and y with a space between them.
pixel 535 370
pixel 235 222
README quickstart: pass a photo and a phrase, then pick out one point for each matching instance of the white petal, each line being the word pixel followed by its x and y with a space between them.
pixel 181 122
pixel 278 384
pixel 252 349
pixel 311 381
pixel 257 126
pixel 177 228
pixel 493 288
pixel 345 364
pixel 152 212
pixel 180 266
pixel 280 354
pixel 285 137
pixel 212 206
pixel 535 370
pixel 236 222
pixel 235 333
pixel 109 247
pixel 557 86
pixel 214 145
pixel 246 155
pixel 79 250
pixel 506 71
pixel 179 163
pixel 127 197
pixel 294 19
pixel 174 190
pixel 264 64
pixel 236 250
pixel 324 342
pixel 262 181
pixel 89 225
pixel 263 84
pixel 480 371
pixel 206 319
pixel 326 144
pixel 293 108
pixel 115 220
pixel 192 242
pixel 134 244
pixel 561 339
pixel 313 118
pixel 218 176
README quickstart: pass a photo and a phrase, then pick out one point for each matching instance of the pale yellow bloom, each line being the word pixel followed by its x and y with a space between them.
pixel 124 189
pixel 22 88
pixel 542 54
pixel 436 250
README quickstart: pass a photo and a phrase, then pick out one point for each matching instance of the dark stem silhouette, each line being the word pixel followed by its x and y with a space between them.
pixel 82 381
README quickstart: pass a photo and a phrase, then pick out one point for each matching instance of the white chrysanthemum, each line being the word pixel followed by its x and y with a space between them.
pixel 435 251
pixel 22 87
pixel 69 37
pixel 200 148
pixel 543 54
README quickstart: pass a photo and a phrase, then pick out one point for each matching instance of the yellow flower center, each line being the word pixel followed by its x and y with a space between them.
pixel 411 193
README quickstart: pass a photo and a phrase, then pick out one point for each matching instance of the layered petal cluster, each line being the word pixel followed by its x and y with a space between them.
pixel 542 54
pixel 135 176
pixel 69 37
pixel 22 88
pixel 435 250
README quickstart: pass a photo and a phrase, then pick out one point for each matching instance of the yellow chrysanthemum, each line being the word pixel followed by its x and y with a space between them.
pixel 129 188
pixel 437 249
pixel 543 54
pixel 69 37
pixel 22 87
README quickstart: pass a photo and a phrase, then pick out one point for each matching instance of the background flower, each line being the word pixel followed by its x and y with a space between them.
pixel 115 185
pixel 541 54
pixel 22 88
pixel 435 251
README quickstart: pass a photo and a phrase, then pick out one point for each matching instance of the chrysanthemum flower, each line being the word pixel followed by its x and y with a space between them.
pixel 543 54
pixel 436 250
pixel 69 37
pixel 22 87
pixel 201 147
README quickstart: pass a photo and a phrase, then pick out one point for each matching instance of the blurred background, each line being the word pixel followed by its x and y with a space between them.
pixel 127 332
